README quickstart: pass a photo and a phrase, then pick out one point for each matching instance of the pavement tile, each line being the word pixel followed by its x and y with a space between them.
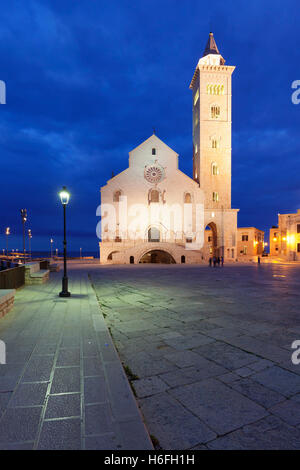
pixel 220 407
pixel 62 406
pixel 29 394
pixel 183 431
pixel 279 380
pixel 19 424
pixel 64 434
pixel 66 379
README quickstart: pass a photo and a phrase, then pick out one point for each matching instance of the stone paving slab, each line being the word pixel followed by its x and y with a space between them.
pixel 63 386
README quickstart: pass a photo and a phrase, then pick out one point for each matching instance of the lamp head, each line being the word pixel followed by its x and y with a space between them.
pixel 64 196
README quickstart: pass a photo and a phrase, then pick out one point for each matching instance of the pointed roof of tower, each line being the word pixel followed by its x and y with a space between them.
pixel 211 46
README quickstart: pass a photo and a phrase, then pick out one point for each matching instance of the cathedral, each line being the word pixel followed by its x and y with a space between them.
pixel 154 213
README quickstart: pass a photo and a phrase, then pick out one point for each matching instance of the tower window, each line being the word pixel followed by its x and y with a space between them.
pixel 196 96
pixel 244 238
pixel 215 112
pixel 214 169
pixel 215 89
pixel 215 196
pixel 196 148
pixel 215 143
pixel 153 151
pixel 196 119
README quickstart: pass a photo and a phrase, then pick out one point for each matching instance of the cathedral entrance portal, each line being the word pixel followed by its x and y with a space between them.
pixel 212 239
pixel 157 256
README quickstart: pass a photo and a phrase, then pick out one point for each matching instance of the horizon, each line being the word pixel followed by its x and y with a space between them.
pixel 83 91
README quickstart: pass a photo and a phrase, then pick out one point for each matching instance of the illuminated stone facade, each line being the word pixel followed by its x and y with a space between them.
pixel 250 242
pixel 285 240
pixel 154 181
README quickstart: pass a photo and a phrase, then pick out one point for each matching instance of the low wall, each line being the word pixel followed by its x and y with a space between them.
pixel 12 278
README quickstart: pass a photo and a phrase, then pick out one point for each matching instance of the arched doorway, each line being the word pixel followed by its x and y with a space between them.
pixel 158 257
pixel 131 260
pixel 182 259
pixel 211 239
pixel 109 258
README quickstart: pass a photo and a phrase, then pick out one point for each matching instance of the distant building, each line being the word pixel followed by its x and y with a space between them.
pixel 285 239
pixel 154 181
pixel 250 242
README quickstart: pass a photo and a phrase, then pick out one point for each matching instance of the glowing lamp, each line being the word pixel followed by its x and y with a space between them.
pixel 64 196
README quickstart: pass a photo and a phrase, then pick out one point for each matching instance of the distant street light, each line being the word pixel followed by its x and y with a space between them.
pixel 51 247
pixel 7 232
pixel 80 253
pixel 29 240
pixel 64 198
pixel 24 218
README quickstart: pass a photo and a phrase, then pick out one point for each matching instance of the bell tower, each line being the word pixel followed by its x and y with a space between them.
pixel 211 87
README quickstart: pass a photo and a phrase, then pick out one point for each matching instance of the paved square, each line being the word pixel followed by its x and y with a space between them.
pixel 209 350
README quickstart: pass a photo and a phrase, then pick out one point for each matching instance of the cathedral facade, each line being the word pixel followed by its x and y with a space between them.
pixel 153 212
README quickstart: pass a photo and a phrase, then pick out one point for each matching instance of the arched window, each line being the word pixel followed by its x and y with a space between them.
pixel 154 195
pixel 117 195
pixel 153 151
pixel 215 196
pixel 215 112
pixel 153 234
pixel 187 198
pixel 214 143
pixel 214 169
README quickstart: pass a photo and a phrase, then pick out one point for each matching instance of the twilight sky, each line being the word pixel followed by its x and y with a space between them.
pixel 87 81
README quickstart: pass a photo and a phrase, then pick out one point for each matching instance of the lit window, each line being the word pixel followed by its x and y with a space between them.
pixel 196 96
pixel 215 196
pixel 196 119
pixel 215 89
pixel 153 151
pixel 214 169
pixel 215 112
pixel 196 148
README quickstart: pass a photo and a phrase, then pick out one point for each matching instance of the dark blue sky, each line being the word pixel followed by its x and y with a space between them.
pixel 87 81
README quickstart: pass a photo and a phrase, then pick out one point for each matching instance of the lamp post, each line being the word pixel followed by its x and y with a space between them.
pixel 51 247
pixel 7 232
pixel 64 198
pixel 29 241
pixel 24 218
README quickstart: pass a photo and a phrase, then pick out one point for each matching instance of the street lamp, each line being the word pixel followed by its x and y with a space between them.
pixel 64 198
pixel 51 245
pixel 29 240
pixel 24 218
pixel 7 232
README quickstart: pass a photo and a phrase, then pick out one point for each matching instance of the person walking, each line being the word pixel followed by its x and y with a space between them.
pixel 218 260
pixel 222 260
pixel 215 261
pixel 210 261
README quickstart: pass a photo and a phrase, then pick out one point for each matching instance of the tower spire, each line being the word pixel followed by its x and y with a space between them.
pixel 211 46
